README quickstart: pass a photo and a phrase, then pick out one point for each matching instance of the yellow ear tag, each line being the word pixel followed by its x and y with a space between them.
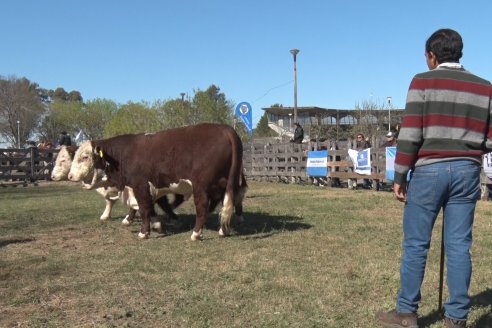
pixel 101 154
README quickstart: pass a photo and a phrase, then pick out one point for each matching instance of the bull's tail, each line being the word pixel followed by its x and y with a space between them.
pixel 234 181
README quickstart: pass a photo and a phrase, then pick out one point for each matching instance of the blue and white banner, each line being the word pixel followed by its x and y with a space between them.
pixel 390 163
pixel 244 112
pixel 317 163
pixel 361 160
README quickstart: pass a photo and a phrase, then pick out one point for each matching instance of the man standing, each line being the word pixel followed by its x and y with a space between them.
pixel 390 140
pixel 64 139
pixel 444 132
pixel 298 133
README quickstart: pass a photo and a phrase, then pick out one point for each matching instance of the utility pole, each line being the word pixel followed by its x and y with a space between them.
pixel 294 52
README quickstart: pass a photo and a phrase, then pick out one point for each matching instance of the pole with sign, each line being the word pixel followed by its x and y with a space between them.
pixel 244 112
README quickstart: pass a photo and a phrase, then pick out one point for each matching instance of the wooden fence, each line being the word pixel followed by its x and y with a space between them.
pixel 24 166
pixel 263 161
pixel 286 162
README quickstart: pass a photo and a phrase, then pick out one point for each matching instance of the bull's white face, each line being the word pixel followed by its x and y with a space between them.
pixel 82 168
pixel 62 165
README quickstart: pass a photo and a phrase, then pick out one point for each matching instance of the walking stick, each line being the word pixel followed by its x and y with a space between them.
pixel 441 267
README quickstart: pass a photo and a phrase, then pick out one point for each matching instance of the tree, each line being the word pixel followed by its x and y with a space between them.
pixel 133 118
pixel 211 106
pixel 262 129
pixel 94 116
pixel 174 113
pixel 60 116
pixel 59 94
pixel 367 118
pixel 19 102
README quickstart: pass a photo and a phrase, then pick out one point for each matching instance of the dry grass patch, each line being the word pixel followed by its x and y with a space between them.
pixel 305 257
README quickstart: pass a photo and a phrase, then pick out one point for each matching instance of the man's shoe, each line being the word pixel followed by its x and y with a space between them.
pixel 393 319
pixel 452 323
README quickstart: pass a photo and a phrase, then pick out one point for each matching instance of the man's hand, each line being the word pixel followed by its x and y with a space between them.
pixel 400 191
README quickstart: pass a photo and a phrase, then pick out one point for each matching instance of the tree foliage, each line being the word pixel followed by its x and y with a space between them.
pixel 262 129
pixel 59 94
pixel 19 102
pixel 367 113
pixel 60 116
pixel 133 118
pixel 44 113
pixel 94 117
pixel 211 105
pixel 175 113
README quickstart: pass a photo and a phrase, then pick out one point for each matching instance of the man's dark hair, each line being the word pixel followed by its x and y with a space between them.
pixel 446 45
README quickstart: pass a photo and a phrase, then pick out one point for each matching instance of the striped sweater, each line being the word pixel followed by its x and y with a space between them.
pixel 447 116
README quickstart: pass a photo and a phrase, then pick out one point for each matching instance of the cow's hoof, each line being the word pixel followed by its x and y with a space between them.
pixel 223 232
pixel 196 235
pixel 143 235
pixel 126 221
pixel 104 218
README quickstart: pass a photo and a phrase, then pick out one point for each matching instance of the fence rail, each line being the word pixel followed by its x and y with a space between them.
pixel 24 166
pixel 286 162
pixel 263 161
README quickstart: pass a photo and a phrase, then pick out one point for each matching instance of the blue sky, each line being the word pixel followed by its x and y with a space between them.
pixel 137 50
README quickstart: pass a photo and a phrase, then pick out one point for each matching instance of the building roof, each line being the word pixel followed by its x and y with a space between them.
pixel 313 111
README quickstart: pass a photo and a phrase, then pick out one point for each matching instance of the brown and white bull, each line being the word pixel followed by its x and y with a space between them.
pixel 60 172
pixel 204 160
pixel 110 194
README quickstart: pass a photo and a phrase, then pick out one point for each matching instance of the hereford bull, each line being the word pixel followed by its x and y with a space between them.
pixel 110 194
pixel 204 160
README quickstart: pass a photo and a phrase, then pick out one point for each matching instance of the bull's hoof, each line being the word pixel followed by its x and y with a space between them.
pixel 157 226
pixel 195 236
pixel 143 235
pixel 126 221
pixel 239 219
pixel 223 232
pixel 104 218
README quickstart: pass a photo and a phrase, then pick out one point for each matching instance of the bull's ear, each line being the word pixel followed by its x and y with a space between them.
pixel 98 152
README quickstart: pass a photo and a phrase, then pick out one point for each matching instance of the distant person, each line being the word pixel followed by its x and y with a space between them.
pixel 33 149
pixel 361 143
pixel 298 133
pixel 390 140
pixel 444 132
pixel 64 139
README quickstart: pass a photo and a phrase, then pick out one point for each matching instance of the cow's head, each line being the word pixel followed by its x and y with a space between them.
pixel 87 166
pixel 63 163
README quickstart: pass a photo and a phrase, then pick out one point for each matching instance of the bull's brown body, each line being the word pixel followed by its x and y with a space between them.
pixel 207 155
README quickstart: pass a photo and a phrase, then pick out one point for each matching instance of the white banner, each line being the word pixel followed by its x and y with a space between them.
pixel 361 160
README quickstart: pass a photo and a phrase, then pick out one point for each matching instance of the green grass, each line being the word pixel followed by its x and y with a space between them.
pixel 305 257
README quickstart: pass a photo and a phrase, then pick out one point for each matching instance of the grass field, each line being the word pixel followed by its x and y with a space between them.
pixel 305 257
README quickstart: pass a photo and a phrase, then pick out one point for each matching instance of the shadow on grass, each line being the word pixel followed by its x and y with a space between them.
pixel 255 225
pixel 4 243
pixel 262 225
pixel 484 299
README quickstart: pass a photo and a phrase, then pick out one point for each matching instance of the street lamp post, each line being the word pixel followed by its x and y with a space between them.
pixel 389 112
pixel 294 52
pixel 18 134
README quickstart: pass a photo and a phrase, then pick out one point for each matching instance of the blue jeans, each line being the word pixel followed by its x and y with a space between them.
pixel 453 186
